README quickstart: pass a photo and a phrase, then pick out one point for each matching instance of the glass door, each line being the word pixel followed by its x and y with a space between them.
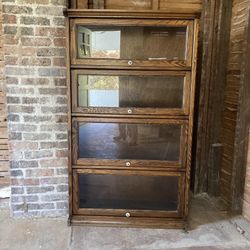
pixel 133 93
pixel 130 43
pixel 128 193
pixel 129 143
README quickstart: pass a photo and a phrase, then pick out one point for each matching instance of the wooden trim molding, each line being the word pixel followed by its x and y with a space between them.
pixel 168 13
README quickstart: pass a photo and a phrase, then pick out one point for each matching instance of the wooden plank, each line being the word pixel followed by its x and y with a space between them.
pixel 69 94
pixel 194 5
pixel 216 20
pixel 166 14
pixel 191 116
pixel 128 5
pixel 242 120
pixel 170 6
pixel 235 116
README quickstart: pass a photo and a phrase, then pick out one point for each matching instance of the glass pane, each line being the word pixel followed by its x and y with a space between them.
pixel 128 192
pixel 139 43
pixel 129 141
pixel 130 91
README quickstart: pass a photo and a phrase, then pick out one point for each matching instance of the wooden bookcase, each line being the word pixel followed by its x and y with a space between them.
pixel 131 81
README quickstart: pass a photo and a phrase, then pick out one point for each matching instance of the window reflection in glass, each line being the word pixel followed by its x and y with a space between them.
pixel 130 91
pixel 129 141
pixel 138 43
pixel 97 43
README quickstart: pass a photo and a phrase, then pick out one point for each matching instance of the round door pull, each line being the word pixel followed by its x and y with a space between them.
pixel 128 164
pixel 127 215
pixel 130 63
pixel 130 111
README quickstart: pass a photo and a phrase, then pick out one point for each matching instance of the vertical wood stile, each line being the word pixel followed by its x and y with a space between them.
pixel 69 117
pixel 191 115
pixel 155 4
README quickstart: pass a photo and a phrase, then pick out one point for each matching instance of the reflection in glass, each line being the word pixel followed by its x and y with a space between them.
pixel 97 43
pixel 130 91
pixel 129 141
pixel 128 192
pixel 141 43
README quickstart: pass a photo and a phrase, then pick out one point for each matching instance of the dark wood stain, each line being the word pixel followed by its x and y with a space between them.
pixel 133 13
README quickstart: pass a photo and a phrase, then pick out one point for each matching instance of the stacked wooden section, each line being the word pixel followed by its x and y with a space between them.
pixel 4 164
pixel 156 40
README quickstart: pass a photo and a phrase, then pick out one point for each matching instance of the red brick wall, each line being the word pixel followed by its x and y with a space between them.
pixel 4 163
pixel 35 58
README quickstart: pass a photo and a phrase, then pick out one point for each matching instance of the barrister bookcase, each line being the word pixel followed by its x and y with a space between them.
pixel 131 70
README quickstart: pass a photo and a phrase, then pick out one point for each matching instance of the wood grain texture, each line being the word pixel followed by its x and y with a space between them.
pixel 242 122
pixel 128 5
pixel 186 6
pixel 69 119
pixel 236 118
pixel 149 14
pixel 211 78
pixel 176 15
pixel 191 118
pixel 104 221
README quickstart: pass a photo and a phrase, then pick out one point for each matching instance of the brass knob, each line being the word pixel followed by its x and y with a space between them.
pixel 128 164
pixel 130 111
pixel 127 215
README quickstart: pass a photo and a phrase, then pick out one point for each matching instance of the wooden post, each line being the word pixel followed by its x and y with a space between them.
pixel 242 127
pixel 211 80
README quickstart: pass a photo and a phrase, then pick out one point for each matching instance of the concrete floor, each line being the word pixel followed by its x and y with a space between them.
pixel 210 228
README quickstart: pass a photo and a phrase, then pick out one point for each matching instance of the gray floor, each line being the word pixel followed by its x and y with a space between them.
pixel 210 228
